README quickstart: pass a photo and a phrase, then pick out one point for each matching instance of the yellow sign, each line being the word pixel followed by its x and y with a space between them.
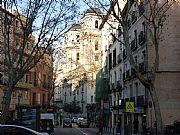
pixel 129 106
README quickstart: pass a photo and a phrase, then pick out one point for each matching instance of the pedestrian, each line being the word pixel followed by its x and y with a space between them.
pixel 100 125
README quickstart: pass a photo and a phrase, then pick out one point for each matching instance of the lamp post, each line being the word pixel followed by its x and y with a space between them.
pixel 4 98
pixel 19 97
pixel 82 92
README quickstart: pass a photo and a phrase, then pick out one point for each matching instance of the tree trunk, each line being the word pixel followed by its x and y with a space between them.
pixel 6 103
pixel 158 123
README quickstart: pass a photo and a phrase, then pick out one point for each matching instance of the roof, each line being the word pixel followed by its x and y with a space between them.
pixel 93 10
pixel 75 26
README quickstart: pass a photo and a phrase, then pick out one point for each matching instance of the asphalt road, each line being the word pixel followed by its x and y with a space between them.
pixel 77 131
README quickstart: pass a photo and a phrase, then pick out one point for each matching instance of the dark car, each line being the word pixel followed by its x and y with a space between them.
pixel 173 129
pixel 67 122
pixel 84 123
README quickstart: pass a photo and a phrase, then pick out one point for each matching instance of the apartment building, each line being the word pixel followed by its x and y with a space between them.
pixel 20 94
pixel 41 77
pixel 125 87
pixel 34 87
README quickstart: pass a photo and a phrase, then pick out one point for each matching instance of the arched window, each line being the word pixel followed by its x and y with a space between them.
pixel 77 56
pixel 96 24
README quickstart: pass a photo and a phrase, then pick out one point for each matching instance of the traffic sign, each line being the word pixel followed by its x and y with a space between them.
pixel 129 106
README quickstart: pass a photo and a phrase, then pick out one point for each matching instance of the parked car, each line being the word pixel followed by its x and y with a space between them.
pixel 78 120
pixel 84 123
pixel 74 119
pixel 18 130
pixel 173 129
pixel 67 122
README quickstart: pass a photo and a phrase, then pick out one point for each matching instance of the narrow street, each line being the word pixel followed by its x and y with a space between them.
pixel 77 131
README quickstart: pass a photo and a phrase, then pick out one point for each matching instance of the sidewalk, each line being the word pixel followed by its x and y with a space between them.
pixel 111 131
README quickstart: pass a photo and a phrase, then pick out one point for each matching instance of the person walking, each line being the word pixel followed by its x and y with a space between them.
pixel 100 125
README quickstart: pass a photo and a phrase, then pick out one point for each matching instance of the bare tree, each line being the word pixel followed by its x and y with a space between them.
pixel 155 17
pixel 28 29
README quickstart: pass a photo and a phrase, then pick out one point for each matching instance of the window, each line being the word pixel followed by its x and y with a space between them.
pixel 120 74
pixel 26 95
pixel 143 26
pixel 115 77
pixel 77 38
pixel 135 58
pixel 110 60
pixel 34 99
pixel 14 94
pixel 26 78
pixel 77 56
pixel 30 77
pixel 96 24
pixel 27 45
pixel 77 92
pixel 114 57
pixel 144 55
pixel 43 99
pixel 136 85
pixel 135 36
pixel 44 78
pixel 96 58
pixel 91 99
pixel 131 90
pixel 17 23
pixel 96 45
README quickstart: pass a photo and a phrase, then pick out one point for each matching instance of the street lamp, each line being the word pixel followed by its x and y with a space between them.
pixel 19 97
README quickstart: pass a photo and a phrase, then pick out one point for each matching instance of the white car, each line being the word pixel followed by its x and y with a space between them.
pixel 78 120
pixel 74 119
pixel 18 130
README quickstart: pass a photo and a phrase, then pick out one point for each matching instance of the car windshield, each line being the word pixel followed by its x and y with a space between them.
pixel 84 120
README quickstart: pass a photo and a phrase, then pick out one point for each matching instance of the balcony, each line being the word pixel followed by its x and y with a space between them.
pixel 141 38
pixel 43 104
pixel 134 45
pixel 118 86
pixel 23 85
pixel 113 87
